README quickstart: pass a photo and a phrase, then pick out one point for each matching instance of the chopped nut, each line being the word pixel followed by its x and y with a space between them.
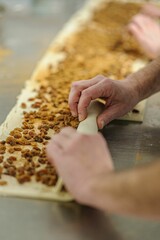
pixel 23 178
pixel 1 159
pixel 10 140
pixel 17 135
pixel 11 150
pixel 25 131
pixel 11 159
pixel 1 170
pixel 38 139
pixel 2 151
pixel 32 133
pixel 23 105
pixel 49 180
pixel 3 183
pixel 11 171
pixel 2 147
pixel 42 160
pixel 21 170
pixel 18 129
pixel 36 105
pixel 6 165
pixel 31 99
pixel 17 148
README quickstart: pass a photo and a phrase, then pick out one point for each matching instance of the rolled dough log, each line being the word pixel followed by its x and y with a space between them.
pixel 89 125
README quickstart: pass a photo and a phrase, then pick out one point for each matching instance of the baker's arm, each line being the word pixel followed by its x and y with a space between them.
pixel 151 10
pixel 133 192
pixel 121 96
pixel 147 80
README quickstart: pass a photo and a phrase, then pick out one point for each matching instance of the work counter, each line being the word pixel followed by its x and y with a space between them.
pixel 26 31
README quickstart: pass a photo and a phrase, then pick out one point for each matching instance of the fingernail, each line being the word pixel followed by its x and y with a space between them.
pixel 80 118
pixel 74 114
pixel 102 124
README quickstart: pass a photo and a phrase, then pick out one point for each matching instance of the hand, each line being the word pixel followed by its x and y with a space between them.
pixel 151 10
pixel 147 33
pixel 120 98
pixel 79 160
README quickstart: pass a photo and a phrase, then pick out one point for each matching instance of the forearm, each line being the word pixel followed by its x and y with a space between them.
pixel 147 80
pixel 132 192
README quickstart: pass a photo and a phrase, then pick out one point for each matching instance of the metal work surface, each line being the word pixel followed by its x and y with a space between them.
pixel 26 30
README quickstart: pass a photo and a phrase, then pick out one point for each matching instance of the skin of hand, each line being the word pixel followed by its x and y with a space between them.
pixel 73 156
pixel 120 98
pixel 151 10
pixel 147 32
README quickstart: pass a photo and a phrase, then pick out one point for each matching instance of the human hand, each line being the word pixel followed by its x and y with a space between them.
pixel 120 98
pixel 151 10
pixel 80 160
pixel 147 33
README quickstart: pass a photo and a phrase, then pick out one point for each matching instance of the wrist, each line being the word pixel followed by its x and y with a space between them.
pixel 94 193
pixel 133 88
pixel 146 81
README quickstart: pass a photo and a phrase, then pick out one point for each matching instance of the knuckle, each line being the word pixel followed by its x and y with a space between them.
pixel 71 144
pixel 100 76
pixel 108 83
pixel 64 129
pixel 56 137
pixel 85 93
pixel 69 130
pixel 137 18
pixel 106 79
pixel 81 138
pixel 75 85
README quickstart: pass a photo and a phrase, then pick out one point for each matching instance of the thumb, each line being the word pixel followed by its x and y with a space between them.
pixel 108 115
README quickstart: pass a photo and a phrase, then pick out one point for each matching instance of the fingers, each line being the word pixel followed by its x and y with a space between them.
pixel 147 33
pixel 87 96
pixel 137 25
pixel 108 115
pixel 136 31
pixel 142 23
pixel 58 143
pixel 151 10
pixel 68 132
pixel 51 150
pixel 76 91
pixel 62 138
pixel 141 28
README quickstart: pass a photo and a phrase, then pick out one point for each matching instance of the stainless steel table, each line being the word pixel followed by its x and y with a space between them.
pixel 27 30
